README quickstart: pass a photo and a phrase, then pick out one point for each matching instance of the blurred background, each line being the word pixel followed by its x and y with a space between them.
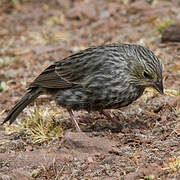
pixel 36 33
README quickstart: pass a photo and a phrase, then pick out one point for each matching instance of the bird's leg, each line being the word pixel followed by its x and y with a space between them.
pixel 109 117
pixel 74 120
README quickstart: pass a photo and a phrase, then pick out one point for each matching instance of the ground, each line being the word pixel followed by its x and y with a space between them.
pixel 42 143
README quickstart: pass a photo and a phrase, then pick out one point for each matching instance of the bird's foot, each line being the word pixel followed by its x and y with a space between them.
pixel 115 121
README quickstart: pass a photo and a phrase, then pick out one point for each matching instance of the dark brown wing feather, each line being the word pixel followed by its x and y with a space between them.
pixel 50 79
pixel 74 70
pixel 78 68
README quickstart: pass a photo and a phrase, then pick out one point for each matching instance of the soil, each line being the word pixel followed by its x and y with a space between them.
pixel 33 35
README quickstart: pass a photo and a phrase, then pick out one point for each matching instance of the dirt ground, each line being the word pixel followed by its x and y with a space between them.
pixel 42 143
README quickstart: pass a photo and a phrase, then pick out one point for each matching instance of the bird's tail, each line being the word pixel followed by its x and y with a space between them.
pixel 21 104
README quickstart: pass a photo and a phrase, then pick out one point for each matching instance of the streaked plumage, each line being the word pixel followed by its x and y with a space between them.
pixel 104 77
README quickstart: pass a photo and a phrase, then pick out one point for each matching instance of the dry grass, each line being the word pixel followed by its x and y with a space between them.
pixel 173 165
pixel 41 124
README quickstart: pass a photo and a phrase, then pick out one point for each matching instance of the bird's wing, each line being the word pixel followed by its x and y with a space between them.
pixel 72 71
pixel 50 79
pixel 79 67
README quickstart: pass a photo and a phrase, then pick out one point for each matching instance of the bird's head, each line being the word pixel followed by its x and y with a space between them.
pixel 146 70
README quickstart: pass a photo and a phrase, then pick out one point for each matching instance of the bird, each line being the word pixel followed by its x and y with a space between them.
pixel 99 78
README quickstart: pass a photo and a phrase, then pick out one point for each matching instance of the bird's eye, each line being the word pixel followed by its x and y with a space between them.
pixel 146 75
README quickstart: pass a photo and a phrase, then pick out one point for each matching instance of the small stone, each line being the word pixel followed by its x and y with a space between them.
pixel 90 159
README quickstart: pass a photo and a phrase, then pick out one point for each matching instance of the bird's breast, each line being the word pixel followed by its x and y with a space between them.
pixel 97 98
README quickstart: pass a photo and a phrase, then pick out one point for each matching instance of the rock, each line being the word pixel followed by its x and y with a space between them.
pixel 171 33
pixel 80 142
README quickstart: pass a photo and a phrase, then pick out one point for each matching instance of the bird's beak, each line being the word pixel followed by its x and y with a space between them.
pixel 159 86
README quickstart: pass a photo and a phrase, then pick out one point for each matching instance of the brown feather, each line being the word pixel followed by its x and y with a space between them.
pixel 50 79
